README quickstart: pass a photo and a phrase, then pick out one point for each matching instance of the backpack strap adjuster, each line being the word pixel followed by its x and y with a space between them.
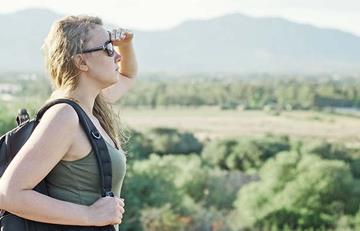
pixel 96 135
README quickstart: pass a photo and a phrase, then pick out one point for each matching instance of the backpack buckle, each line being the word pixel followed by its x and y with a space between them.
pixel 110 193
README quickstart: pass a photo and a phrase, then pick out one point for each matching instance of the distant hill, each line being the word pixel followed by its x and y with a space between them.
pixel 232 43
pixel 21 38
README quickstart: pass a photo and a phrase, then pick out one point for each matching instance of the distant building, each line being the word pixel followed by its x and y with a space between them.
pixel 8 88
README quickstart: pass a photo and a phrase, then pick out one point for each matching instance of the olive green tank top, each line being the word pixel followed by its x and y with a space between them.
pixel 79 181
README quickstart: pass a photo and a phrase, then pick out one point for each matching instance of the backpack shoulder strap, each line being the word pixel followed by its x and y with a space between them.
pixel 97 142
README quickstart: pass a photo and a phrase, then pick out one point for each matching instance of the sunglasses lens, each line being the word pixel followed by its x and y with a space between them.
pixel 110 49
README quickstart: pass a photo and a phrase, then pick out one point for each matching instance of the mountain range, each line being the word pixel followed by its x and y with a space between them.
pixel 233 43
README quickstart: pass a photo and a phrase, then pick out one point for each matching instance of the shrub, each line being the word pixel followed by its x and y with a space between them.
pixel 243 154
pixel 146 186
pixel 168 140
pixel 139 146
pixel 7 120
pixel 313 192
pixel 163 218
pixel 326 150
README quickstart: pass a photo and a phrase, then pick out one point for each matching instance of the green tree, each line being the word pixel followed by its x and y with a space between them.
pixel 169 140
pixel 243 154
pixel 302 191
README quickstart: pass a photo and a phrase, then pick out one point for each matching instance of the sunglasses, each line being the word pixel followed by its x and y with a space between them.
pixel 108 47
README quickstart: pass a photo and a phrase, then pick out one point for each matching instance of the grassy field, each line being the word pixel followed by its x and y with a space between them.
pixel 213 122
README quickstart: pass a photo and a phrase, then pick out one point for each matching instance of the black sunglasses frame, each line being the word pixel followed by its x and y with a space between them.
pixel 110 52
pixel 103 48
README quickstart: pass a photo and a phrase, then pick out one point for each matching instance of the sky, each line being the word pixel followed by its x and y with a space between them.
pixel 164 14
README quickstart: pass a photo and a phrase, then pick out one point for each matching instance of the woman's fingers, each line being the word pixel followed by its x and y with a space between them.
pixel 120 34
pixel 121 201
pixel 121 37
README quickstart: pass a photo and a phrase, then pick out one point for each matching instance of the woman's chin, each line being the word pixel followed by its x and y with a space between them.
pixel 115 78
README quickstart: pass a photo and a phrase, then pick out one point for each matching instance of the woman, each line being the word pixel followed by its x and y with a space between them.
pixel 84 62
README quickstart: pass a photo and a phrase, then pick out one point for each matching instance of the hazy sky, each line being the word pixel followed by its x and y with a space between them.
pixel 161 14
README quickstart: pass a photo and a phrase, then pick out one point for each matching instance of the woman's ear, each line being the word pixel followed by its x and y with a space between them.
pixel 80 62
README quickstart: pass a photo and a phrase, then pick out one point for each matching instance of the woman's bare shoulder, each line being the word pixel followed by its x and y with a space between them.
pixel 63 114
pixel 47 145
pixel 57 127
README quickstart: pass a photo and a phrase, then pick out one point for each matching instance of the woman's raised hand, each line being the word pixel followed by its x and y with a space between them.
pixel 121 37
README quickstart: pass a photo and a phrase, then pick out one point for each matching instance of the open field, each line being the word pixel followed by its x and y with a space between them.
pixel 212 123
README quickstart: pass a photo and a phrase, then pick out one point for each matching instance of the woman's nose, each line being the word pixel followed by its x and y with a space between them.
pixel 117 57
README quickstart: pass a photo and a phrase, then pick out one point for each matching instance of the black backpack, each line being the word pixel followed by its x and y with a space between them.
pixel 11 143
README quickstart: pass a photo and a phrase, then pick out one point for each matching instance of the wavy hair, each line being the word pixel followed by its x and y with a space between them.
pixel 68 37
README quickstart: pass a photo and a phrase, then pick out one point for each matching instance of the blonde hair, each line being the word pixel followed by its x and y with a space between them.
pixel 68 37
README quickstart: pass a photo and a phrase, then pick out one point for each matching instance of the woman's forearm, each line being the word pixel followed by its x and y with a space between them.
pixel 128 63
pixel 36 206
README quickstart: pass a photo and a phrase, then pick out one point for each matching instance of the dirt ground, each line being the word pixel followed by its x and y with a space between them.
pixel 212 123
